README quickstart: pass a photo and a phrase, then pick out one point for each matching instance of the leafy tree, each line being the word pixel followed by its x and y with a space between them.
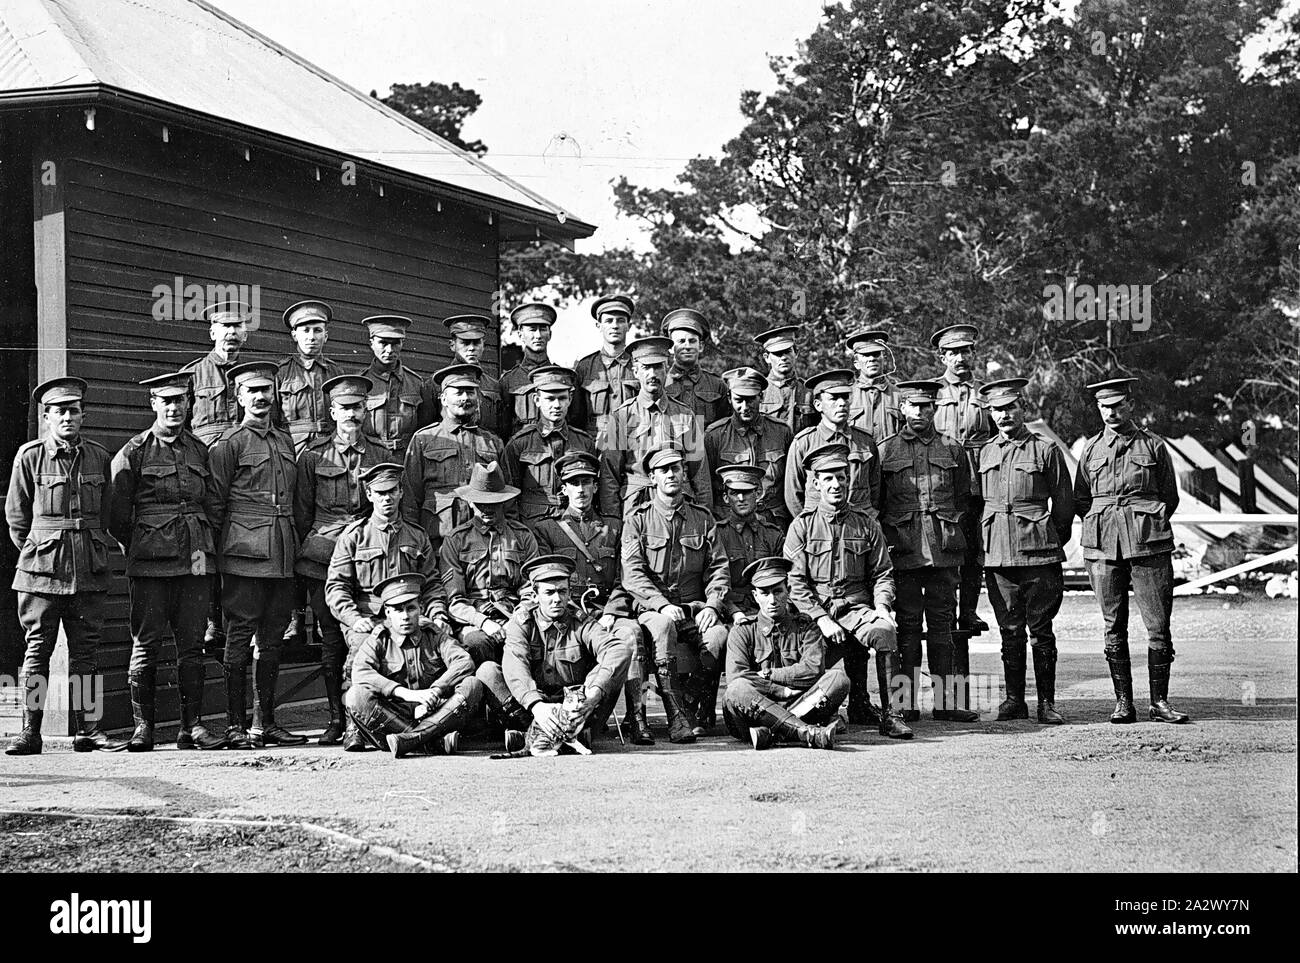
pixel 441 108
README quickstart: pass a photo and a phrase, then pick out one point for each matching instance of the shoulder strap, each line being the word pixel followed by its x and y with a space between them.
pixel 578 542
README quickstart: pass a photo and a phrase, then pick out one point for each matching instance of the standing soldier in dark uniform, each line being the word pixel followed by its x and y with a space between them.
pixel 328 497
pixel 646 423
pixel 605 377
pixel 689 384
pixel 748 437
pixel 215 408
pixel 830 393
pixel 746 535
pixel 481 563
pixel 413 686
pixel 843 579
pixel 303 407
pixel 675 568
pixel 468 341
pixel 925 489
pixel 253 478
pixel 874 407
pixel 534 323
pixel 367 552
pixel 1024 541
pixel 592 542
pixel 785 398
pixel 59 511
pixel 551 645
pixel 1126 493
pixel 960 414
pixel 442 457
pixel 531 455
pixel 776 663
pixel 396 406
pixel 162 491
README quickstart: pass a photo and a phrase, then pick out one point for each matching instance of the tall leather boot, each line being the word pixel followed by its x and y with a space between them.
pixel 194 734
pixel 1121 676
pixel 891 724
pixel 946 694
pixel 1161 710
pixel 703 688
pixel 434 731
pixel 28 742
pixel 785 726
pixel 265 731
pixel 636 721
pixel 1045 683
pixel 1013 671
pixel 237 707
pixel 88 737
pixel 670 691
pixel 142 710
pixel 332 675
pixel 861 712
pixel 963 711
pixel 910 664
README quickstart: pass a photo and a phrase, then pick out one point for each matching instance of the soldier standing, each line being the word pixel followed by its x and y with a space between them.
pixel 645 424
pixel 162 493
pixel 960 414
pixel 830 393
pixel 775 664
pixel 468 341
pixel 396 406
pixel 785 397
pixel 874 407
pixel 442 457
pixel 605 377
pixel 59 510
pixel 591 541
pixel 531 455
pixel 552 645
pixel 689 384
pixel 328 497
pixel 534 323
pixel 746 536
pixel 413 687
pixel 1126 493
pixel 370 550
pixel 675 568
pixel 925 489
pixel 843 579
pixel 253 477
pixel 1024 539
pixel 748 437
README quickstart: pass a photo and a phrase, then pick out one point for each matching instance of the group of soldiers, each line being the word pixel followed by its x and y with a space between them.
pixel 528 553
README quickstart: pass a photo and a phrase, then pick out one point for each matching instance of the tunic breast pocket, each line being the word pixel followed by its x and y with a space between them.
pixel 371 566
pixel 295 399
pixel 194 481
pixel 254 466
pixel 409 559
pixel 332 483
pixel 854 553
pixel 735 456
pixel 209 404
pixel 51 494
pixel 442 467
pixel 943 472
pixel 693 553
pixel 600 395
pixel 92 494
pixel 1139 472
pixel 1027 480
pixel 819 560
pixel 657 549
pixel 536 465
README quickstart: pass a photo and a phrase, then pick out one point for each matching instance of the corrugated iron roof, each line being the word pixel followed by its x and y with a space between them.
pixel 192 55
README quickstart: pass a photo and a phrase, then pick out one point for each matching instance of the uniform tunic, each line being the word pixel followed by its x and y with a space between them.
pixel 701 391
pixel 765 444
pixel 59 510
pixel 642 425
pixel 519 399
pixel 253 477
pixel 1018 476
pixel 960 412
pixel 216 407
pixel 542 657
pixel 1126 493
pixel 841 563
pixel 491 411
pixel 383 663
pixel 371 550
pixel 395 406
pixel 530 458
pixel 864 467
pixel 789 402
pixel 439 460
pixel 481 569
pixel 303 407
pixel 746 540
pixel 600 535
pixel 791 648
pixel 874 406
pixel 924 492
pixel 329 496
pixel 673 556
pixel 605 383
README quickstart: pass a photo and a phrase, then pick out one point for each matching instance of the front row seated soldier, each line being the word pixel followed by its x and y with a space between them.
pixel 843 579
pixel 591 542
pixel 675 568
pixel 367 552
pixel 161 487
pixel 552 645
pixel 413 687
pixel 925 490
pixel 59 511
pixel 481 563
pixel 746 535
pixel 1024 539
pixel 1126 493
pixel 329 496
pixel 775 664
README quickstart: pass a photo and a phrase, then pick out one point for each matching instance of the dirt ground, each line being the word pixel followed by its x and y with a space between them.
pixel 1216 795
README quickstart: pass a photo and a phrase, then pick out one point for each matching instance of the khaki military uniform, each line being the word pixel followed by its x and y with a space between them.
pixel 606 384
pixel 701 391
pixel 745 541
pixel 873 406
pixel 788 402
pixel 396 406
pixel 520 401
pixel 864 467
pixel 640 426
pixel 439 460
pixel 763 444
pixel 961 413
pixel 216 407
pixel 529 464
pixel 480 565
pixel 303 408
pixel 367 552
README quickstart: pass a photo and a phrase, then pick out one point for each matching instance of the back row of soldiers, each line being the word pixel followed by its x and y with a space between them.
pixel 751 523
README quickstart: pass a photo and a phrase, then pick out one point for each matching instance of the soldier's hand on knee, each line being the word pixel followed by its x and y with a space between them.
pixel 832 630
pixel 548 717
pixel 884 615
pixel 706 618
pixel 607 621
pixel 674 612
pixel 493 629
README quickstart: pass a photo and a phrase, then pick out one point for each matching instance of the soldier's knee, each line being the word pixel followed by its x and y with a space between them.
pixel 358 699
pixel 834 680
pixel 470 689
pixel 489 674
pixel 740 694
pixel 878 636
